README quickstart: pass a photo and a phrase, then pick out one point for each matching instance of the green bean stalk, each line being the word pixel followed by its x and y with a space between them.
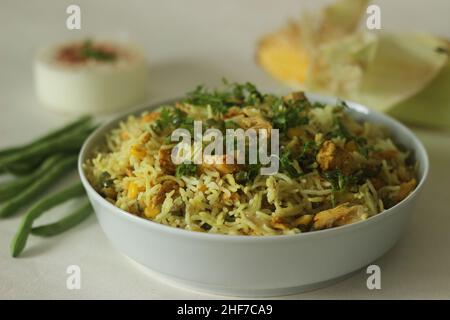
pixel 20 239
pixel 40 164
pixel 71 141
pixel 11 188
pixel 12 205
pixel 24 159
pixel 66 223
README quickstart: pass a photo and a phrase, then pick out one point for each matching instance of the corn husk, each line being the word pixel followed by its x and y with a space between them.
pixel 326 53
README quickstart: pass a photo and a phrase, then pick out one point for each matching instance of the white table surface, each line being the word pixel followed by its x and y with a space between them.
pixel 193 42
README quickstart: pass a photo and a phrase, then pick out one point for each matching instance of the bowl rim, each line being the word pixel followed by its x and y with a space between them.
pixel 355 107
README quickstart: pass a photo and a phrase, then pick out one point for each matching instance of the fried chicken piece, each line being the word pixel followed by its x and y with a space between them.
pixel 279 224
pixel 303 222
pixel 165 161
pixel 332 157
pixel 233 112
pixel 166 187
pixel 218 163
pixel 339 216
pixel 256 123
pixel 405 189
pixel 295 96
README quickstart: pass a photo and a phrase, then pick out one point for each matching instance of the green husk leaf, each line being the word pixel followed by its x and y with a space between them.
pixel 402 66
pixel 431 106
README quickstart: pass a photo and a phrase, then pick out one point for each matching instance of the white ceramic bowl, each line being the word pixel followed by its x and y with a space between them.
pixel 251 265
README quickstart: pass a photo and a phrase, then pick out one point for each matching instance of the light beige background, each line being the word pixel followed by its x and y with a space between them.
pixel 191 42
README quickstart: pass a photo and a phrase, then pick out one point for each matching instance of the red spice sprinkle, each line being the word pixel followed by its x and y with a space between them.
pixel 87 51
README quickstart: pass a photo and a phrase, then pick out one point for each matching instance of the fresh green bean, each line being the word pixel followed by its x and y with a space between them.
pixel 25 167
pixel 14 187
pixel 70 221
pixel 9 151
pixel 12 205
pixel 68 142
pixel 80 122
pixel 20 160
pixel 20 239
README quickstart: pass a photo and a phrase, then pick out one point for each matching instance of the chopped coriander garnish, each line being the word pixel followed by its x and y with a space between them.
pixel 308 155
pixel 202 97
pixel 249 174
pixel 318 105
pixel 342 132
pixel 205 226
pixel 287 114
pixel 105 180
pixel 173 117
pixel 253 170
pixel 230 124
pixel 338 180
pixel 344 104
pixel 247 93
pixel 229 218
pixel 241 177
pixel 286 164
pixel 362 146
pixel 234 95
pixel 186 169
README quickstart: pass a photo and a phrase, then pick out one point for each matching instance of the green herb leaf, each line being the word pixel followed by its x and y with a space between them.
pixel 186 169
pixel 105 180
pixel 339 181
pixel 287 114
pixel 342 132
pixel 308 155
pixel 234 94
pixel 88 51
pixel 171 117
pixel 249 174
pixel 230 124
pixel 286 164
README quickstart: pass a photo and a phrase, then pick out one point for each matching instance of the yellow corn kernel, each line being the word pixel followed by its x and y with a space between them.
pixel 124 135
pixel 132 191
pixel 303 220
pixel 151 212
pixel 138 151
pixel 295 132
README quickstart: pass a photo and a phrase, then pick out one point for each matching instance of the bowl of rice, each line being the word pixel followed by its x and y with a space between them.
pixel 346 182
